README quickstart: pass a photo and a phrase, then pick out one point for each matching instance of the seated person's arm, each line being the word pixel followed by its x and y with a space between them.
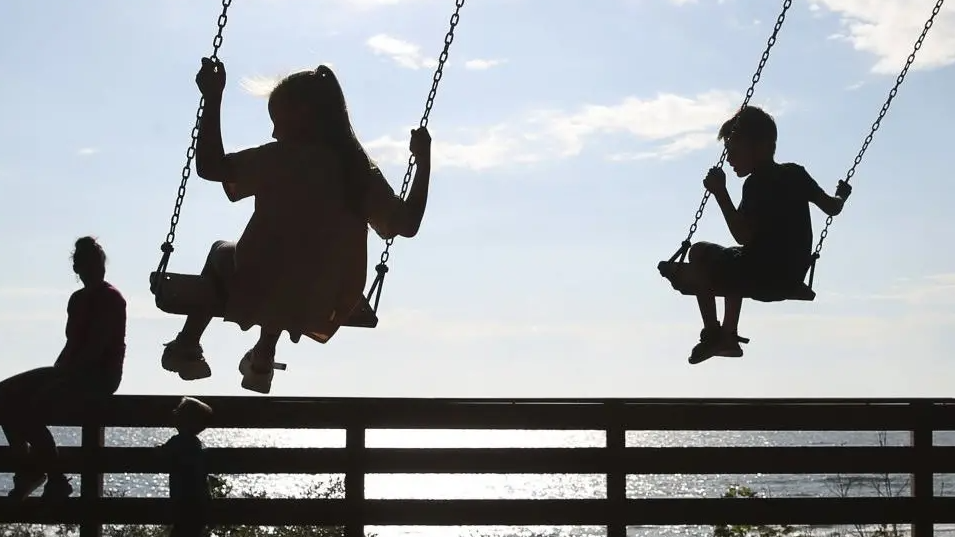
pixel 211 161
pixel 736 219
pixel 67 351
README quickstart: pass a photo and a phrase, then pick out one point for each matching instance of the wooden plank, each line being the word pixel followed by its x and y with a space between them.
pixel 658 461
pixel 139 460
pixel 91 481
pixel 273 412
pixel 690 511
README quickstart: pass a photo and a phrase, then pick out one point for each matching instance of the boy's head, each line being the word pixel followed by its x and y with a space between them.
pixel 191 416
pixel 750 139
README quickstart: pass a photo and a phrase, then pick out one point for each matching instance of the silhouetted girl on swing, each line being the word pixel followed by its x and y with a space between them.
pixel 301 262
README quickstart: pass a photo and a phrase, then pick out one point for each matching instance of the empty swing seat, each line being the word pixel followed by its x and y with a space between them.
pixel 678 275
pixel 188 294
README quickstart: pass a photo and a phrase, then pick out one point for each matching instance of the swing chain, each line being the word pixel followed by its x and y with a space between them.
pixel 878 122
pixel 685 246
pixel 167 246
pixel 382 267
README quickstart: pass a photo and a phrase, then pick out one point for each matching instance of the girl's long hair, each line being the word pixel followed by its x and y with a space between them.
pixel 321 94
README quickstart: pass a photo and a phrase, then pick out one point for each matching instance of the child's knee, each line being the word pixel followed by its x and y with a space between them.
pixel 221 259
pixel 702 252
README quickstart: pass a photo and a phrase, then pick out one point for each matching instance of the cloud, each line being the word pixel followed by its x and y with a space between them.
pixel 665 126
pixel 933 290
pixel 33 292
pixel 371 4
pixel 401 52
pixel 478 64
pixel 688 2
pixel 888 30
pixel 87 151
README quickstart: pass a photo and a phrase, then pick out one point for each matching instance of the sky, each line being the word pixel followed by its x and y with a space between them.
pixel 570 145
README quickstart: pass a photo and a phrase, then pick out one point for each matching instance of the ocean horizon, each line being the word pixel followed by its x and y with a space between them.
pixel 523 486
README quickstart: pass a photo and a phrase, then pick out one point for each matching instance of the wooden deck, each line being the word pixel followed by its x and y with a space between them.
pixel 920 417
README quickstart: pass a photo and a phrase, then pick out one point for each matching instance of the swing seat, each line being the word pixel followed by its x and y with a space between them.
pixel 188 294
pixel 678 275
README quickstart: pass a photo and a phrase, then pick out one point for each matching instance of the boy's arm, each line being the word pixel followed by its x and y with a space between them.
pixel 735 218
pixel 831 205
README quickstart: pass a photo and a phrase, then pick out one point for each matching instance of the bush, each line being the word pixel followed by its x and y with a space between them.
pixel 220 488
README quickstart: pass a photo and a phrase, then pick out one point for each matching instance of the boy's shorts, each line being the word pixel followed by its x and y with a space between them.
pixel 732 271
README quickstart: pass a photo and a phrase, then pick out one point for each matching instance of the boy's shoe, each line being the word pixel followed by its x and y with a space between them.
pixel 25 484
pixel 186 360
pixel 716 342
pixel 256 381
pixel 57 488
pixel 730 345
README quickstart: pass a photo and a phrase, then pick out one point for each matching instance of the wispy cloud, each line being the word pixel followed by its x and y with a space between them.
pixel 888 29
pixel 33 292
pixel 482 65
pixel 403 53
pixel 664 126
pixel 87 151
pixel 932 290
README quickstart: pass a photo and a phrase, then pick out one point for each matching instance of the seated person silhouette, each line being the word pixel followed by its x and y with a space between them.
pixel 89 369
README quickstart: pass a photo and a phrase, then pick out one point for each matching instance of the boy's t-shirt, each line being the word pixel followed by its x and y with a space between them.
pixel 775 203
pixel 188 477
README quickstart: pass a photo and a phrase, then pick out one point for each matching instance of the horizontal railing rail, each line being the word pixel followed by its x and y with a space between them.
pixel 921 459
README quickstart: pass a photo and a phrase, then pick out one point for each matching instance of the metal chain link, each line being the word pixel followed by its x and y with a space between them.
pixel 438 73
pixel 878 122
pixel 167 246
pixel 749 94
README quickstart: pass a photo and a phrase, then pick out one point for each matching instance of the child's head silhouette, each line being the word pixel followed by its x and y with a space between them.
pixel 750 138
pixel 309 106
pixel 89 260
pixel 191 416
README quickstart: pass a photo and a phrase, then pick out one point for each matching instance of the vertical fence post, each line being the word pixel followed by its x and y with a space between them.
pixel 355 481
pixel 616 477
pixel 92 438
pixel 923 476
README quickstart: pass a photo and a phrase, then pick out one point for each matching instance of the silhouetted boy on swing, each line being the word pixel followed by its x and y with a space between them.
pixel 188 477
pixel 772 225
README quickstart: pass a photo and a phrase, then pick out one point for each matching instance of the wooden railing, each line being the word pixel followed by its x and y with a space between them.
pixel 922 460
